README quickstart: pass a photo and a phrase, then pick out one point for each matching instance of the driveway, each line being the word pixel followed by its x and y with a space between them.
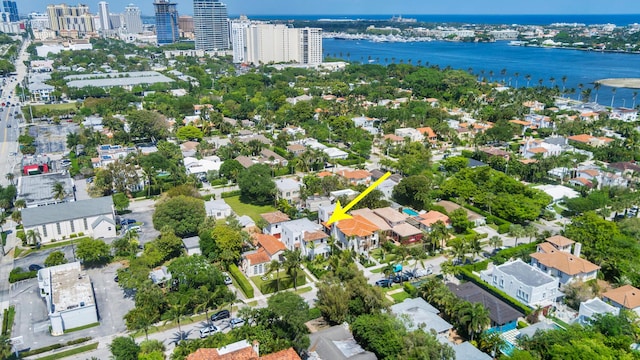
pixel 142 211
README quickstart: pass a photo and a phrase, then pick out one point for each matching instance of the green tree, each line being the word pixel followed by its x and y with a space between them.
pixel 141 318
pixel 379 333
pixel 145 124
pixel 495 241
pixel 33 237
pixel 120 201
pixel 55 258
pixel 275 266
pixel 292 310
pixel 256 185
pixel 93 252
pixel 182 213
pixel 124 348
pixel 58 190
pixel 189 132
pixel 475 317
pixel 455 164
pixel 292 262
pixel 6 349
pixel 459 220
pixel 414 191
pixel 333 302
pixel 230 169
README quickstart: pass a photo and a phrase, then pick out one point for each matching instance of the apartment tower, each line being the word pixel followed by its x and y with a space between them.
pixel 211 25
pixel 103 15
pixel 166 22
pixel 133 19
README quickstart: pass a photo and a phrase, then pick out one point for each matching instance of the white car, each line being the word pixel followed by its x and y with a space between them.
pixel 209 330
pixel 422 272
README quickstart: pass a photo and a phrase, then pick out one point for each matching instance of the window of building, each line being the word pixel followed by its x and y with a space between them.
pixel 501 283
pixel 86 226
pixel 58 228
pixel 44 231
pixel 73 227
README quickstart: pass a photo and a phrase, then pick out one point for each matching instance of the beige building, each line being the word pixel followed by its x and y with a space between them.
pixel 65 19
pixel 277 43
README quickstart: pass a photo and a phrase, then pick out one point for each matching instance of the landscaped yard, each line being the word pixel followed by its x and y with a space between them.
pixel 247 209
pixel 64 106
pixel 400 296
pixel 269 285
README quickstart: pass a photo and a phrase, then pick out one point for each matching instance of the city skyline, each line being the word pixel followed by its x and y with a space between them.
pixel 372 7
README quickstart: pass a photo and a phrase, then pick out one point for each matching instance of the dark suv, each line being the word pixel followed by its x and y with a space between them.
pixel 222 314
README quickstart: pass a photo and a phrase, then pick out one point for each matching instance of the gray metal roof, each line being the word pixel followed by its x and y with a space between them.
pixel 525 273
pixel 467 351
pixel 191 242
pixel 499 312
pixel 119 79
pixel 420 313
pixel 337 343
pixel 100 219
pixel 67 211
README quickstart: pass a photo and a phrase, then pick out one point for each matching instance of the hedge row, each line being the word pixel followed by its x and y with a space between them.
pixel 519 251
pixel 53 347
pixel 7 320
pixel 491 219
pixel 18 274
pixel 479 266
pixel 230 194
pixel 241 280
pixel 468 275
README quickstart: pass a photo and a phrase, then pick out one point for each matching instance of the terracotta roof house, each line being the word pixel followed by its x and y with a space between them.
pixel 357 234
pixel 427 220
pixel 474 217
pixel 560 242
pixel 268 248
pixel 393 138
pixel 356 177
pixel 406 234
pixel 274 221
pixel 497 152
pixel 565 266
pixel 373 218
pixel 296 149
pixel 241 350
pixel 624 297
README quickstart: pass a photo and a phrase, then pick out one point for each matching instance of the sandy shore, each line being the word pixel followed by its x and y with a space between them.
pixel 631 83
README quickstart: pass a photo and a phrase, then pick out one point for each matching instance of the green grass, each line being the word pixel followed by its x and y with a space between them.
pixel 377 270
pixel 559 322
pixel 303 290
pixel 17 252
pixel 253 211
pixel 64 106
pixel 78 350
pixel 269 286
pixel 253 303
pixel 400 297
pixel 53 245
pixel 82 327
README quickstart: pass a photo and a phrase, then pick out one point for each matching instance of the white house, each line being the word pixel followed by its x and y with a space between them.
pixel 625 114
pixel 595 306
pixel 523 282
pixel 93 217
pixel 217 209
pixel 192 245
pixel 202 166
pixel 289 190
pixel 565 266
pixel 268 248
pixel 305 235
pixel 624 297
pixel 69 297
pixel 411 133
pixel 357 234
pixel 558 192
pixel 274 222
pixel 335 153
pixel 363 121
pixel 419 314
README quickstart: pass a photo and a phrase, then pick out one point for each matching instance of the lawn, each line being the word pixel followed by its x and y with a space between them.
pixel 253 211
pixel 57 107
pixel 269 285
pixel 400 296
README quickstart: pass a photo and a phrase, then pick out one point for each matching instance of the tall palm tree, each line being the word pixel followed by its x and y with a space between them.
pixel 33 237
pixel 564 83
pixel 10 177
pixel 59 192
pixel 596 87
pixel 635 95
pixel 528 77
pixel 475 317
pixel 292 262
pixel 176 312
pixel 530 231
pixel 275 265
pixel 516 75
pixel 495 241
pixel 516 230
pixel 203 298
pixel 20 204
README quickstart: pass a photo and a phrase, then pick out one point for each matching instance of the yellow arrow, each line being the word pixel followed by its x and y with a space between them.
pixel 340 213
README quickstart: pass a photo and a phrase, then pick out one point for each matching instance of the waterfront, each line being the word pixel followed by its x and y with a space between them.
pixel 580 67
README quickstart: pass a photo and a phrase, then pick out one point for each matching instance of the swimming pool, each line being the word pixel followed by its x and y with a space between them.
pixel 410 212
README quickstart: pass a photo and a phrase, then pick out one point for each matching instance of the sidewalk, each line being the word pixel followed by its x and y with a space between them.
pixel 6 265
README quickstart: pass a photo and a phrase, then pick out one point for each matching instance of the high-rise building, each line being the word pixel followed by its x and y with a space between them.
pixel 39 21
pixel 65 19
pixel 185 23
pixel 166 22
pixel 238 38
pixel 10 8
pixel 133 19
pixel 277 43
pixel 103 14
pixel 211 25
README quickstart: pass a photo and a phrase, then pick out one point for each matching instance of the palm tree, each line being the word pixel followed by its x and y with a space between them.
pixel 292 262
pixel 580 86
pixel 495 241
pixel 203 298
pixel 275 265
pixel 613 95
pixel 596 87
pixel 564 83
pixel 10 177
pixel 474 316
pixel 33 237
pixel 440 231
pixel 16 216
pixel 635 95
pixel 475 245
pixel 176 312
pixel 5 347
pixel 59 192
pixel 20 204
pixel 516 75
pixel 530 231
pixel 516 230
pixel 528 77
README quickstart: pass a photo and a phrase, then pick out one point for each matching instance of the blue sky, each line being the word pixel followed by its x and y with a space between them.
pixel 337 7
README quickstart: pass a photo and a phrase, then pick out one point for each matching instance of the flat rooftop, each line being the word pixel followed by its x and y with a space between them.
pixel 116 79
pixel 70 287
pixel 38 189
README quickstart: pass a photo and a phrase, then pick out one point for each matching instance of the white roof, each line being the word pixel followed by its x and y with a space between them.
pixel 334 152
pixel 557 192
pixel 215 205
pixel 288 184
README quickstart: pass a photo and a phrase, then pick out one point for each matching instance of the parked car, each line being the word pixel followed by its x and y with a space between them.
pixel 236 322
pixel 135 228
pixel 227 279
pixel 125 222
pixel 34 267
pixel 222 314
pixel 422 272
pixel 211 329
pixel 400 278
pixel 384 283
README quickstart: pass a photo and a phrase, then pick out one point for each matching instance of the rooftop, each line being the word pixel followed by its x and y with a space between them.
pixel 560 241
pixel 626 295
pixel 288 184
pixel 391 215
pixel 357 226
pixel 499 312
pixel 404 230
pixel 36 190
pixel 191 242
pixel 337 343
pixel 526 273
pixel 275 217
pixel 117 79
pixel 70 288
pixel 67 211
pixel 565 262
pixel 269 242
pixel 372 217
pixel 433 217
pixel 420 313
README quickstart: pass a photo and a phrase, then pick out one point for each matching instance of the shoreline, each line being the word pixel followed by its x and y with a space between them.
pixel 628 83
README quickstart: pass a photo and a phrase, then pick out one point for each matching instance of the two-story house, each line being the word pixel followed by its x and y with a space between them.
pixel 523 282
pixel 356 234
pixel 274 222
pixel 289 190
pixel 293 233
pixel 268 248
pixel 356 177
pixel 562 264
pixel 428 219
pixel 624 297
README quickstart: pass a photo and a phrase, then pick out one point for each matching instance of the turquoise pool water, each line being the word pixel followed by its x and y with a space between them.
pixel 410 212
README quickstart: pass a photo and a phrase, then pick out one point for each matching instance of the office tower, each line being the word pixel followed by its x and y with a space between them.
pixel 117 21
pixel 166 22
pixel 238 38
pixel 185 23
pixel 39 21
pixel 133 19
pixel 66 19
pixel 103 14
pixel 11 9
pixel 211 25
pixel 269 43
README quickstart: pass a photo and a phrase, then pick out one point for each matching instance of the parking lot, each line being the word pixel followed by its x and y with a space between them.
pixel 142 212
pixel 32 321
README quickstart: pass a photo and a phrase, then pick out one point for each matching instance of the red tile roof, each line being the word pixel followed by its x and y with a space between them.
pixel 258 257
pixel 626 295
pixel 270 243
pixel 357 226
pixel 433 217
pixel 275 217
pixel 246 353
